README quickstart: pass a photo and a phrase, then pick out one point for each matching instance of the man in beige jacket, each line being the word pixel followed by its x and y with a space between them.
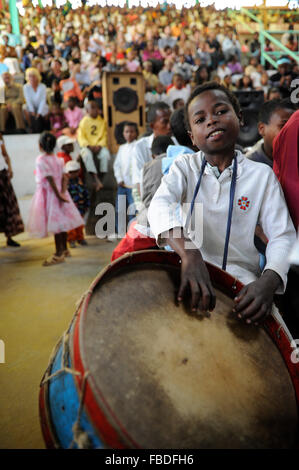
pixel 13 101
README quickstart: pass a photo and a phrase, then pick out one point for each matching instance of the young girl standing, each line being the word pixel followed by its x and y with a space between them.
pixel 52 209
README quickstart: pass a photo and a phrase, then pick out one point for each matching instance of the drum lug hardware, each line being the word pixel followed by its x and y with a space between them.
pixel 277 332
pixel 234 286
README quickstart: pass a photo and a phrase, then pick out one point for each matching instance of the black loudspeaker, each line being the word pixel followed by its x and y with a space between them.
pixel 123 100
pixel 250 102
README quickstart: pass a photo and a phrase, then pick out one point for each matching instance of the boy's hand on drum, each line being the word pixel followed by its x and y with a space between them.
pixel 254 302
pixel 195 274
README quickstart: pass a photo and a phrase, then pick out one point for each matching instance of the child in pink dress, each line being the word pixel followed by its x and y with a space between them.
pixel 72 115
pixel 52 209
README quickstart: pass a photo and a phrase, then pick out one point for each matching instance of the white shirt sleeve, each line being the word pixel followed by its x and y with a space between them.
pixel 278 228
pixel 117 167
pixel 42 94
pixel 139 158
pixel 28 98
pixel 162 212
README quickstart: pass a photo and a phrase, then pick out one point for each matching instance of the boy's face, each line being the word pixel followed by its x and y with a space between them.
pixel 130 133
pixel 68 148
pixel 161 125
pixel 213 121
pixel 271 130
pixel 178 82
pixel 71 104
pixel 93 109
pixel 159 88
pixel 73 174
pixel 274 95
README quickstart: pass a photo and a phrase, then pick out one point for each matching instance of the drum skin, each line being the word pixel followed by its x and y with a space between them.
pixel 136 370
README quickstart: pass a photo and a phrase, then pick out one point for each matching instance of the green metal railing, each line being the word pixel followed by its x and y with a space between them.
pixel 269 56
pixel 266 34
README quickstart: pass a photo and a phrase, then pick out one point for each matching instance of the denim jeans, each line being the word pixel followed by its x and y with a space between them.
pixel 127 192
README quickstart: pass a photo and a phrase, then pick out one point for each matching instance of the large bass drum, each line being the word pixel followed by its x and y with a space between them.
pixel 135 370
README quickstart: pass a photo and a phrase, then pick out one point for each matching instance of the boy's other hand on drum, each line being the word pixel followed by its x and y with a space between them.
pixel 254 302
pixel 195 274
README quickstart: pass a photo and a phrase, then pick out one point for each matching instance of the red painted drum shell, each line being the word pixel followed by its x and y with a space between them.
pixel 109 427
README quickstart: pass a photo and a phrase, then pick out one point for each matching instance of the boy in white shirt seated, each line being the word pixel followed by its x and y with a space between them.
pixel 123 169
pixel 235 194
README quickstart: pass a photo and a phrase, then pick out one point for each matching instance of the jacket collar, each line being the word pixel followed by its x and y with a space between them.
pixel 208 170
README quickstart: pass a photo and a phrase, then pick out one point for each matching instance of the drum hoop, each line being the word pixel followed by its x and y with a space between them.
pixel 111 427
pixel 46 422
pixel 45 419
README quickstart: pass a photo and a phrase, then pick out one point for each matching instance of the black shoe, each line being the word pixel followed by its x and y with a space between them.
pixel 82 242
pixel 11 242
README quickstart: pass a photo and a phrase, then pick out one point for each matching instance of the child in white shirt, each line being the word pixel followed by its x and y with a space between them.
pixel 226 181
pixel 123 169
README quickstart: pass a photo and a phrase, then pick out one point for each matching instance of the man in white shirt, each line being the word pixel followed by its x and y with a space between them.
pixel 179 90
pixel 167 39
pixel 214 118
pixel 158 118
pixel 231 46
pixel 166 74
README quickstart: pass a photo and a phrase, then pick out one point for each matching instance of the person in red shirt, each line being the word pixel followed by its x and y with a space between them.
pixel 286 164
pixel 66 146
pixel 286 168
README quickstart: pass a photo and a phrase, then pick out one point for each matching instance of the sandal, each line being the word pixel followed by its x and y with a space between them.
pixel 67 253
pixel 54 260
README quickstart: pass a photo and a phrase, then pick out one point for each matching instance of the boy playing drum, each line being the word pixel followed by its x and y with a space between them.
pixel 235 194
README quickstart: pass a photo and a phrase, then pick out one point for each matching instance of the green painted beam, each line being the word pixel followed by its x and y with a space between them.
pixel 14 18
pixel 281 32
pixel 269 59
pixel 251 15
pixel 280 46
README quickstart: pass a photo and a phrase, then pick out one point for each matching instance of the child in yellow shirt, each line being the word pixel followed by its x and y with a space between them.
pixel 92 138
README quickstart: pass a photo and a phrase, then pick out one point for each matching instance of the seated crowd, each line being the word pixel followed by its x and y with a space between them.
pixel 63 55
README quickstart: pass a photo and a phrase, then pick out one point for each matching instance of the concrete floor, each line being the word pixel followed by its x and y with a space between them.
pixel 36 306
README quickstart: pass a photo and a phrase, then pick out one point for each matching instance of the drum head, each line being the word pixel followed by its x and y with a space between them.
pixel 175 380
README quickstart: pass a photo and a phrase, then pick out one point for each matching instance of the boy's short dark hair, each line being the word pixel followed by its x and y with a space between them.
pixel 270 107
pixel 177 74
pixel 273 90
pixel 152 112
pixel 175 102
pixel 178 127
pixel 131 124
pixel 160 144
pixel 93 101
pixel 211 86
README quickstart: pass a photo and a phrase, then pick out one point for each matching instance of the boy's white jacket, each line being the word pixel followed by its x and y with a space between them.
pixel 257 191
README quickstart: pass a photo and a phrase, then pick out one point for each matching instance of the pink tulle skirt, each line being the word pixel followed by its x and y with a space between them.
pixel 48 215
